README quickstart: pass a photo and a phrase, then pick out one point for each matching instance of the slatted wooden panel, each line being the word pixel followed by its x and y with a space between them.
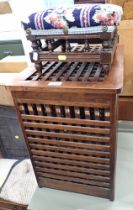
pixel 70 142
pixel 63 71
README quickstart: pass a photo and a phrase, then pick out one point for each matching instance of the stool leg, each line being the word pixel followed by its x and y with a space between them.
pixel 39 67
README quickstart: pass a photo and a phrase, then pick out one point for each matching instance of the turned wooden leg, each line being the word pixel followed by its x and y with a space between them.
pixel 63 47
pixel 50 46
pixel 86 46
pixel 35 45
pixel 68 46
pixel 106 68
pixel 39 44
pixel 39 67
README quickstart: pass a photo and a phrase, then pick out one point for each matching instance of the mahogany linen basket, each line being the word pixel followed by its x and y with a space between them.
pixel 70 125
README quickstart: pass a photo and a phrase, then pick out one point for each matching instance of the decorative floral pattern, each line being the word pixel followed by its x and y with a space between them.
pixel 103 18
pixel 86 15
pixel 59 18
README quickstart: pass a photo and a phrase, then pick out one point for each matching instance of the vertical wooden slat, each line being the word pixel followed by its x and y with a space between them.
pixel 92 114
pixel 113 119
pixel 26 110
pixel 82 112
pixel 72 112
pixel 62 110
pixel 102 114
pixel 43 109
pixel 53 110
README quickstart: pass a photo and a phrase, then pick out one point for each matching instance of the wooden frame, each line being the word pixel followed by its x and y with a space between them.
pixel 78 53
pixel 102 49
pixel 71 123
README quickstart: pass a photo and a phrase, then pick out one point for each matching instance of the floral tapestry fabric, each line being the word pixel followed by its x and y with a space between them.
pixel 79 16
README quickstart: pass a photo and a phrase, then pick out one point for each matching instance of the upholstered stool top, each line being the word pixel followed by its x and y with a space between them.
pixel 77 16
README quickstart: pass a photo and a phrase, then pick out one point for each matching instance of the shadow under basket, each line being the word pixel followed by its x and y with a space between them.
pixel 69 124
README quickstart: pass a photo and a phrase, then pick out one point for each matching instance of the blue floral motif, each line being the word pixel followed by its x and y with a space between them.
pixel 86 15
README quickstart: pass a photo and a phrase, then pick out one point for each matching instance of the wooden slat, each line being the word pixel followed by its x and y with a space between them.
pixel 46 67
pixel 71 157
pixel 67 128
pixel 97 73
pixel 79 72
pixel 97 104
pixel 69 136
pixel 74 174
pixel 74 187
pixel 41 147
pixel 99 147
pixel 36 76
pixel 66 120
pixel 70 162
pixel 52 71
pixel 88 72
pixel 71 57
pixel 58 176
pixel 70 71
pixel 65 67
pixel 66 168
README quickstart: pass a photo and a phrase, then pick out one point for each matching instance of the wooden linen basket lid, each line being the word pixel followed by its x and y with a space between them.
pixel 91 1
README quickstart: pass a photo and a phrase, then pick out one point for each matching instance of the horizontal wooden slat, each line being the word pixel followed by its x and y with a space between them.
pixel 66 120
pixel 73 179
pixel 70 150
pixel 74 187
pixel 71 157
pixel 70 162
pixel 104 148
pixel 69 136
pixel 66 103
pixel 74 174
pixel 67 128
pixel 73 168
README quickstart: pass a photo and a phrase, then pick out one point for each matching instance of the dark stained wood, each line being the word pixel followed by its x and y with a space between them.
pixel 70 127
pixel 65 120
pixel 8 205
pixel 56 175
pixel 80 163
pixel 68 186
pixel 72 156
pixel 113 83
pixel 68 136
pixel 71 169
pixel 80 53
pixel 95 53
pixel 67 128
pixel 125 108
pixel 60 46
